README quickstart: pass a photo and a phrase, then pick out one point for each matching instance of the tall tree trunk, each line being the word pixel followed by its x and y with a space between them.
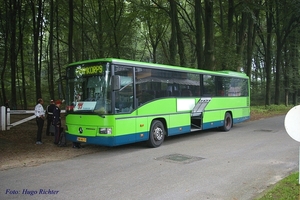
pixel 36 22
pixel 287 73
pixel 58 44
pixel 100 29
pixel 209 35
pixel 199 34
pixel 13 55
pixel 251 41
pixel 292 77
pixel 51 65
pixel 6 34
pixel 172 42
pixel 278 70
pixel 268 51
pixel 228 33
pixel 250 45
pixel 21 36
pixel 181 51
pixel 241 40
pixel 70 38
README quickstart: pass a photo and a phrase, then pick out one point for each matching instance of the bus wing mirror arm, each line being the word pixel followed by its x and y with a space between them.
pixel 116 82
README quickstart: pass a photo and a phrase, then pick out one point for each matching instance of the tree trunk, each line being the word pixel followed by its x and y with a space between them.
pixel 51 67
pixel 278 70
pixel 6 34
pixel 181 51
pixel 70 37
pixel 209 36
pixel 227 33
pixel 100 29
pixel 199 34
pixel 36 22
pixel 172 42
pixel 250 45
pixel 13 55
pixel 268 53
pixel 21 36
pixel 241 40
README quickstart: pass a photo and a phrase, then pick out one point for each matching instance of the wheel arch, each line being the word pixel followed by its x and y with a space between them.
pixel 163 121
pixel 228 118
pixel 230 112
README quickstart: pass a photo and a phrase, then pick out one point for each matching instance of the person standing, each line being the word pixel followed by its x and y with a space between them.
pixel 57 121
pixel 49 112
pixel 39 116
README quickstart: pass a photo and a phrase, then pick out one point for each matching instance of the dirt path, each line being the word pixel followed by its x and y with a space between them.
pixel 18 148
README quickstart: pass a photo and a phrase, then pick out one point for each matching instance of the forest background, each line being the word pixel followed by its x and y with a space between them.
pixel 38 38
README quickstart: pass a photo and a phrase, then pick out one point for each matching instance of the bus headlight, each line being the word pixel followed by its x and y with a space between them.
pixel 105 130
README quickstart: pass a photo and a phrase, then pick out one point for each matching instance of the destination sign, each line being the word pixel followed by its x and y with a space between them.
pixel 90 70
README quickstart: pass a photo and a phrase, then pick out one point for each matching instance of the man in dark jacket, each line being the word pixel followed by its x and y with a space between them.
pixel 56 121
pixel 49 112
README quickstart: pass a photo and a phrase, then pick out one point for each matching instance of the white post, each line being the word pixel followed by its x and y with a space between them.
pixel 3 118
pixel 8 119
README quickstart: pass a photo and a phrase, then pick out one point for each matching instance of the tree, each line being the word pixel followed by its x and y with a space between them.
pixel 37 16
pixel 199 34
pixel 70 36
pixel 286 19
pixel 13 54
pixel 209 36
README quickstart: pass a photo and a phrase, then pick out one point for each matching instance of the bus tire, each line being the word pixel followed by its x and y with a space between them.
pixel 157 134
pixel 227 122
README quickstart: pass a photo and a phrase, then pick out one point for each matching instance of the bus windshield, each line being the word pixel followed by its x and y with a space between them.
pixel 88 88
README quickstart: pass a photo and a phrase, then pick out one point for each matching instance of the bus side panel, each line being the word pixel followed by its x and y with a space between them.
pixel 240 115
pixel 142 128
pixel 214 113
pixel 212 119
pixel 124 131
pixel 176 112
pixel 179 123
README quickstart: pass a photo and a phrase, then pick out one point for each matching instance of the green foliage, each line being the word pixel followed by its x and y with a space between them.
pixel 286 189
pixel 272 108
pixel 141 30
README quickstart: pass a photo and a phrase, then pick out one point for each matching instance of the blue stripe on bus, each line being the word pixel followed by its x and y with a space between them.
pixel 136 137
pixel 111 141
pixel 217 124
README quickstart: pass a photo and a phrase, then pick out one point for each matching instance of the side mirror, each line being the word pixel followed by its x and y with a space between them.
pixel 116 82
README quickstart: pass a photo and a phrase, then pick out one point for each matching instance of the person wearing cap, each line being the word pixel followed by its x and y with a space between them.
pixel 39 116
pixel 56 121
pixel 49 112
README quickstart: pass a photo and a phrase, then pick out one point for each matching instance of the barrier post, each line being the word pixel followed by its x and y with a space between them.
pixel 8 119
pixel 3 118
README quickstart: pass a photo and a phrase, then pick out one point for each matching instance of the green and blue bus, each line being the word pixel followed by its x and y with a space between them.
pixel 113 102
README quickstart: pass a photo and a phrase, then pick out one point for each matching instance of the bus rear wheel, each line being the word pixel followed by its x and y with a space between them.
pixel 157 134
pixel 227 122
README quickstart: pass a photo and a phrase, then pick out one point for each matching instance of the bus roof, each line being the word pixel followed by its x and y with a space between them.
pixel 161 66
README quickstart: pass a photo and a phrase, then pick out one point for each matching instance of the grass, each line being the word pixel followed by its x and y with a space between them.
pixel 271 110
pixel 288 188
pixel 259 112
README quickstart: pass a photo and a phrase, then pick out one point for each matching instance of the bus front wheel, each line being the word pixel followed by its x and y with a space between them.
pixel 157 134
pixel 227 122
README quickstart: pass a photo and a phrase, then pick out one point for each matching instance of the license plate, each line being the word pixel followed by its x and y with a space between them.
pixel 81 139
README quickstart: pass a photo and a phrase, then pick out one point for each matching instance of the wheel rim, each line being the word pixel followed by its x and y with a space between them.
pixel 158 134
